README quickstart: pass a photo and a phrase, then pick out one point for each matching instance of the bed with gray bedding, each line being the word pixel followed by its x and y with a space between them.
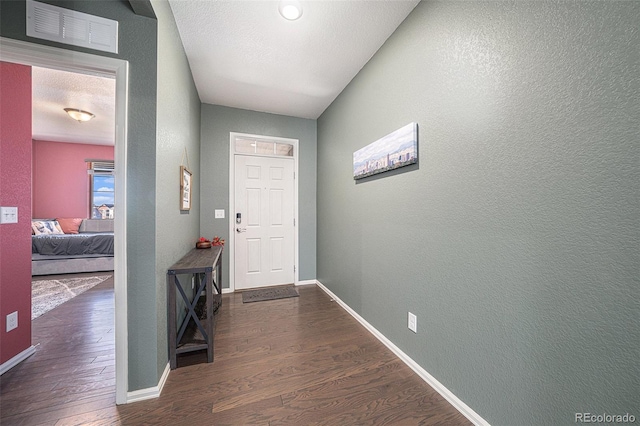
pixel 91 250
pixel 73 244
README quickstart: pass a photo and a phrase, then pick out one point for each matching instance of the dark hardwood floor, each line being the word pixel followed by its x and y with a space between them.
pixel 74 364
pixel 298 361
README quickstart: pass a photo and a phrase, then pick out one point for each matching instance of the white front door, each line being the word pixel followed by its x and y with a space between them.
pixel 264 221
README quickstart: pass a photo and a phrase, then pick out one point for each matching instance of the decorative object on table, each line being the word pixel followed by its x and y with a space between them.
pixel 185 188
pixel 269 294
pixel 203 243
pixel 217 241
pixel 397 149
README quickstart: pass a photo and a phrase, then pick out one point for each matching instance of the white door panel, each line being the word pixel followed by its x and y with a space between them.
pixel 276 206
pixel 254 264
pixel 253 209
pixel 264 238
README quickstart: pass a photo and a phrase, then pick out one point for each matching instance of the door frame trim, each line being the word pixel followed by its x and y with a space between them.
pixel 31 54
pixel 232 187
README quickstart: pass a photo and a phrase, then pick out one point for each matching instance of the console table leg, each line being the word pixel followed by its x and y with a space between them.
pixel 171 319
pixel 209 297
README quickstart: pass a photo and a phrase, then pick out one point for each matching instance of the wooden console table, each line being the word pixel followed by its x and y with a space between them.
pixel 193 335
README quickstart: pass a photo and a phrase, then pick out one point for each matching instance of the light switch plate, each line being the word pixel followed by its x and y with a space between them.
pixel 12 321
pixel 8 215
pixel 219 213
pixel 413 322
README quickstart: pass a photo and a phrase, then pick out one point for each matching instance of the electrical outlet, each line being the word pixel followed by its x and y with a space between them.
pixel 219 213
pixel 413 323
pixel 12 321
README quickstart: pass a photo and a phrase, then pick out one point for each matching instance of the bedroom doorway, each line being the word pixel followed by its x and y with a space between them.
pixel 72 171
pixel 30 54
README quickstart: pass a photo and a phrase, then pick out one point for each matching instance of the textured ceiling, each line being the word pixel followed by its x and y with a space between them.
pixel 55 90
pixel 244 54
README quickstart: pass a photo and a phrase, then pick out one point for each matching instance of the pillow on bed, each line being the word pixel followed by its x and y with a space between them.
pixel 40 227
pixel 69 225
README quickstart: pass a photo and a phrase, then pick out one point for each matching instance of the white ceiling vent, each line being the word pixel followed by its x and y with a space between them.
pixel 54 23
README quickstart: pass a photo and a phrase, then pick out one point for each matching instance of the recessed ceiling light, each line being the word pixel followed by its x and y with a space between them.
pixel 290 9
pixel 79 115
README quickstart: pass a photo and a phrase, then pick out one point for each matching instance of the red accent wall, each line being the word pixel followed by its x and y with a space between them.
pixel 60 180
pixel 15 184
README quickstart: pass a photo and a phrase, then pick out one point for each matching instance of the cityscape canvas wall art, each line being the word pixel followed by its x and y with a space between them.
pixel 397 149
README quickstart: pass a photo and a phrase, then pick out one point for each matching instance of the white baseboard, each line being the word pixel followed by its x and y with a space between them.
pixel 463 408
pixel 226 290
pixel 149 393
pixel 6 366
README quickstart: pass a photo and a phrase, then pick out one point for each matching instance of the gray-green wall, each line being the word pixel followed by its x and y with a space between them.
pixel 178 143
pixel 141 171
pixel 516 239
pixel 217 123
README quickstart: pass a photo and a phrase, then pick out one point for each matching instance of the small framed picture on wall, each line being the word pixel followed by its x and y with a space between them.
pixel 185 188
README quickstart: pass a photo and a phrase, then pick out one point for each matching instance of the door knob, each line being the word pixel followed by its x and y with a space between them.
pixel 240 230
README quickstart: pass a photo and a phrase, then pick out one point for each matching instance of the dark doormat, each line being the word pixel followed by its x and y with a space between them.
pixel 268 294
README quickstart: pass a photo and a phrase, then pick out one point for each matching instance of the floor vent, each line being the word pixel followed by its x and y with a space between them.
pixel 66 26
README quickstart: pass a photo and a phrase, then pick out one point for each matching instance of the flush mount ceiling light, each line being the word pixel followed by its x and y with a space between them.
pixel 79 115
pixel 290 9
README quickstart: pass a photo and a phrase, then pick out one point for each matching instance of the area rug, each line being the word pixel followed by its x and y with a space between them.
pixel 47 294
pixel 268 294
